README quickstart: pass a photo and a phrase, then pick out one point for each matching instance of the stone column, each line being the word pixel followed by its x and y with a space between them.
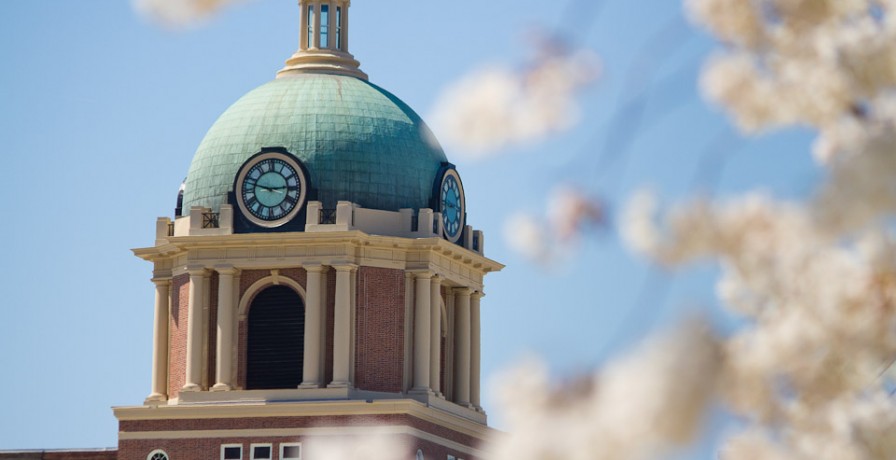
pixel 315 38
pixel 194 329
pixel 342 327
pixel 226 313
pixel 160 341
pixel 311 363
pixel 345 7
pixel 303 26
pixel 331 29
pixel 422 298
pixel 462 346
pixel 435 334
pixel 475 350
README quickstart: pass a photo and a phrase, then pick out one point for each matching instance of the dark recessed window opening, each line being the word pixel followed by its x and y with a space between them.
pixel 275 346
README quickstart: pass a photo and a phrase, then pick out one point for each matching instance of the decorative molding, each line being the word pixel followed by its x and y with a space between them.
pixel 257 286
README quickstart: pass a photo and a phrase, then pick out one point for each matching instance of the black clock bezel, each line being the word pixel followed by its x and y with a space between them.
pixel 294 163
pixel 445 171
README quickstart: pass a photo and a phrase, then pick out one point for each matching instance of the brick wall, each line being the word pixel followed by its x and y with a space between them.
pixel 209 448
pixel 177 334
pixel 100 454
pixel 212 339
pixel 380 334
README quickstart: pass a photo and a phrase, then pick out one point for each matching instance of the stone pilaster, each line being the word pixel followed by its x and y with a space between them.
pixel 435 334
pixel 422 298
pixel 311 371
pixel 226 316
pixel 475 352
pixel 193 375
pixel 342 327
pixel 159 390
pixel 462 346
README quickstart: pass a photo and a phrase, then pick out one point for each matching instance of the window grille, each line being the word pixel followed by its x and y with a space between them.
pixel 210 220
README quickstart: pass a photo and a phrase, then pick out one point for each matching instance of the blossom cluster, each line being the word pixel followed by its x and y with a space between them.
pixel 815 281
pixel 497 106
pixel 809 372
pixel 179 13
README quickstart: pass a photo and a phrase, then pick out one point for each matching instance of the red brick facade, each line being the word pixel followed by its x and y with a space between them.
pixel 209 447
pixel 104 454
pixel 380 331
pixel 177 355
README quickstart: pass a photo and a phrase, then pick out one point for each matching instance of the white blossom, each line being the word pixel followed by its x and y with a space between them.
pixel 637 407
pixel 547 239
pixel 495 106
pixel 181 13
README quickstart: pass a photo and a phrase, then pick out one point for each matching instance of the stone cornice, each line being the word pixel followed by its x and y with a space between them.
pixel 305 409
pixel 330 248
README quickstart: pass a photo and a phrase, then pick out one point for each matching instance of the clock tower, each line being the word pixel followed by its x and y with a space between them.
pixel 319 280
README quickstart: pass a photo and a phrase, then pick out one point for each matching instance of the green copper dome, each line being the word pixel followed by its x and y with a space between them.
pixel 359 143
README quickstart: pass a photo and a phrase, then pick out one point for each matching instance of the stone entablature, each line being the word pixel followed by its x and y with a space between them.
pixel 198 431
pixel 461 267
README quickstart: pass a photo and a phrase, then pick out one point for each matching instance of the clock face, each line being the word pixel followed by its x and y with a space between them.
pixel 271 189
pixel 451 205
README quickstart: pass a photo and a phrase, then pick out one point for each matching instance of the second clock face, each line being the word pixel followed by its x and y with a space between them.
pixel 271 189
pixel 451 204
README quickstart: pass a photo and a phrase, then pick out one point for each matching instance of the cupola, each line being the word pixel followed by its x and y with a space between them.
pixel 323 41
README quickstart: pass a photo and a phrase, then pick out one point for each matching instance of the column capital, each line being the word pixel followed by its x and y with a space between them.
pixel 315 267
pixel 196 270
pixel 422 274
pixel 462 291
pixel 344 267
pixel 478 294
pixel 226 269
pixel 161 281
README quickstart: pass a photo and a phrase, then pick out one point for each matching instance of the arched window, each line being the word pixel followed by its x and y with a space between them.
pixel 157 454
pixel 276 339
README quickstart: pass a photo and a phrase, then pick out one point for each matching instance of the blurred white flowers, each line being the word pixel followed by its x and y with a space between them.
pixel 181 13
pixel 545 239
pixel 637 407
pixel 367 443
pixel 495 107
pixel 814 281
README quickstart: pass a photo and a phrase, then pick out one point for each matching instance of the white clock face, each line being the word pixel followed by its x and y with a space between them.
pixel 271 189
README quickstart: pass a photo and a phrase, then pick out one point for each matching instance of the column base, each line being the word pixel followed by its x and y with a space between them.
pixel 221 387
pixel 308 385
pixel 342 384
pixel 422 391
pixel 155 399
pixel 191 387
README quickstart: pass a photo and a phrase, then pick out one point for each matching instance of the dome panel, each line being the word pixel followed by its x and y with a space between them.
pixel 359 143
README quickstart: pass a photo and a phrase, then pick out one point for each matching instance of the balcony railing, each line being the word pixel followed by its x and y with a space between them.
pixel 210 220
pixel 327 216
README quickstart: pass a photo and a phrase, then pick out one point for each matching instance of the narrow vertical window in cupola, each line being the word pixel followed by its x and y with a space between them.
pixel 309 23
pixel 339 28
pixel 325 26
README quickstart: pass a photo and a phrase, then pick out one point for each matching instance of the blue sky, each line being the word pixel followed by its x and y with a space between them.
pixel 101 112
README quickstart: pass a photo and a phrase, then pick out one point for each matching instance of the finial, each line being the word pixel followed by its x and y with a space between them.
pixel 323 41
